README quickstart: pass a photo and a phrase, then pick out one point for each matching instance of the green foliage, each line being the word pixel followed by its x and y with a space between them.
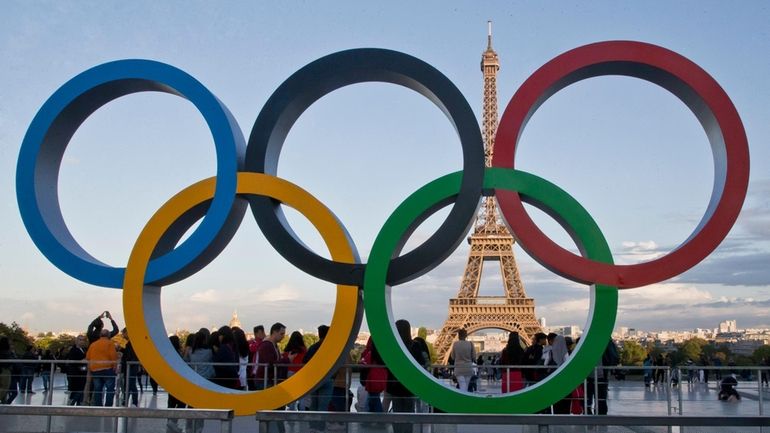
pixel 654 350
pixel 632 353
pixel 691 349
pixel 356 353
pixel 432 351
pixel 182 334
pixel 310 339
pixel 762 353
pixel 18 337
pixel 49 342
pixel 422 332
pixel 742 360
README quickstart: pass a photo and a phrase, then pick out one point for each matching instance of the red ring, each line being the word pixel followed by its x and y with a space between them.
pixel 697 89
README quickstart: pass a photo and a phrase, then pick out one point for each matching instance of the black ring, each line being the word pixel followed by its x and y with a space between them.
pixel 330 73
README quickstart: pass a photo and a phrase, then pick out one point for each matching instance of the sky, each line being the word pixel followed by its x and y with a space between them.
pixel 627 150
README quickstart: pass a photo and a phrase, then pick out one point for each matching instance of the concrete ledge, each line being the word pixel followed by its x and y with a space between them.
pixel 114 412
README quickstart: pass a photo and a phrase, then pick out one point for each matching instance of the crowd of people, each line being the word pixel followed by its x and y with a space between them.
pixel 95 366
pixel 520 365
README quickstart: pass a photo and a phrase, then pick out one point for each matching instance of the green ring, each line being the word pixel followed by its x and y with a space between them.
pixel 604 299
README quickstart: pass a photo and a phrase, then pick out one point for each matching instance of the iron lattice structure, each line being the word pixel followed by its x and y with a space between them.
pixel 490 241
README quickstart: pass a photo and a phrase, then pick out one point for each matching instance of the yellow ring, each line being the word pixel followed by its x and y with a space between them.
pixel 141 304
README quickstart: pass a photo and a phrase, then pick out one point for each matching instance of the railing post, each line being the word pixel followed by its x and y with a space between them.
pixel 51 380
pixel 668 394
pixel 227 426
pixel 679 390
pixel 49 398
pixel 759 388
pixel 348 382
pixel 122 392
pixel 264 376
pixel 595 404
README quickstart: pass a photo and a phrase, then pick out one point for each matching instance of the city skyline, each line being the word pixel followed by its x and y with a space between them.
pixel 627 150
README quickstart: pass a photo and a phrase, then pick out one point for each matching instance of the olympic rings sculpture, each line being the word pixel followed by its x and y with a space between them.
pixel 245 176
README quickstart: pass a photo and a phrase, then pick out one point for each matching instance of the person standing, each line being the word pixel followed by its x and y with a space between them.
pixel 45 369
pixel 647 368
pixel 558 356
pixel 225 358
pixel 102 363
pixel 242 352
pixel 129 364
pixel 259 335
pixel 533 358
pixel 512 355
pixel 598 382
pixel 201 356
pixel 295 350
pixel 76 372
pixel 403 399
pixel 374 376
pixel 96 326
pixel 269 355
pixel 6 367
pixel 463 353
pixel 28 370
pixel 321 397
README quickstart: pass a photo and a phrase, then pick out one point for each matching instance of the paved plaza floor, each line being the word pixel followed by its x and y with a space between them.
pixel 625 398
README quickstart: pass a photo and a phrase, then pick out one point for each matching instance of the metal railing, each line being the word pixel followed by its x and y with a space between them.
pixel 542 422
pixel 677 387
pixel 120 414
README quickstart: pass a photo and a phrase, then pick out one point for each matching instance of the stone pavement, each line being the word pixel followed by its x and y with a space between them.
pixel 627 397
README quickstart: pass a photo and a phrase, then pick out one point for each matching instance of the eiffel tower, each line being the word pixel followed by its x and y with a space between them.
pixel 490 241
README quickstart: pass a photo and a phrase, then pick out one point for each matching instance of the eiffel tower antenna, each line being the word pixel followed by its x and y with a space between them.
pixel 490 241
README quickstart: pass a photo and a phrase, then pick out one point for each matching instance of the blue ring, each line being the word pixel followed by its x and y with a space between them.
pixel 47 139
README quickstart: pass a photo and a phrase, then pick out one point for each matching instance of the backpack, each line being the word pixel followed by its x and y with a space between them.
pixel 376 380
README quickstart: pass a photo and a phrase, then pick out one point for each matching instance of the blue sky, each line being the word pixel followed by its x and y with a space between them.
pixel 627 150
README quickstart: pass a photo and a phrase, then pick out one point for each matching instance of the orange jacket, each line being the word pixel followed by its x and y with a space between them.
pixel 102 355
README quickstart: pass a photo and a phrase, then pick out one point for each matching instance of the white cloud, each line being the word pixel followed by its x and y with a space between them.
pixel 208 296
pixel 638 251
pixel 657 294
pixel 284 292
pixel 248 297
pixel 568 306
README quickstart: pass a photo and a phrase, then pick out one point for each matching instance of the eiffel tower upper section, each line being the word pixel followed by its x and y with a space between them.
pixel 490 241
pixel 489 228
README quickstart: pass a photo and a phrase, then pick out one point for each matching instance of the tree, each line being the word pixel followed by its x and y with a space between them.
pixel 632 353
pixel 18 337
pixel 310 339
pixel 762 353
pixel 422 332
pixel 182 334
pixel 54 344
pixel 691 349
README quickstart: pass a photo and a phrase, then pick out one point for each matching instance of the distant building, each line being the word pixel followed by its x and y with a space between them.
pixel 542 322
pixel 573 331
pixel 745 347
pixel 234 322
pixel 728 326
